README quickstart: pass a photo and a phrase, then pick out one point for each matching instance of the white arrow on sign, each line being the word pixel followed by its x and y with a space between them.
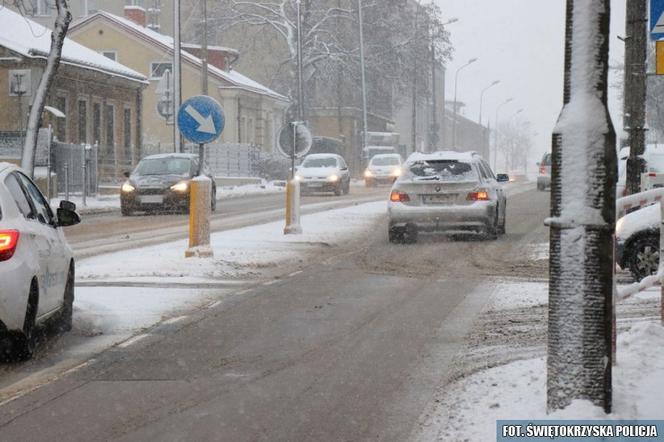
pixel 659 27
pixel 205 124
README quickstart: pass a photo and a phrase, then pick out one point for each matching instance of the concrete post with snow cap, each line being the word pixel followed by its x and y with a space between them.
pixel 293 226
pixel 200 209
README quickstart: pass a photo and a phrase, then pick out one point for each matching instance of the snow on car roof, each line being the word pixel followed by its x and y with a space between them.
pixel 386 155
pixel 4 166
pixel 30 39
pixel 170 155
pixel 323 155
pixel 442 155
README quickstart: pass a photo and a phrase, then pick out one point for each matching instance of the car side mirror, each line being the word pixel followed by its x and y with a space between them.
pixel 67 218
pixel 126 174
pixel 502 178
pixel 344 168
pixel 68 205
pixel 537 163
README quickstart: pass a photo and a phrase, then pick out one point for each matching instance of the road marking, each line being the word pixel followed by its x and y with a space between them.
pixel 271 282
pixel 175 320
pixel 133 340
pixel 295 273
pixel 214 304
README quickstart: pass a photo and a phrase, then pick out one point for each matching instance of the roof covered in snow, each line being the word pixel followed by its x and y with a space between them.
pixel 30 39
pixel 233 77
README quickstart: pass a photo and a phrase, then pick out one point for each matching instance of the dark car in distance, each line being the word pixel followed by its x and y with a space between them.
pixel 161 183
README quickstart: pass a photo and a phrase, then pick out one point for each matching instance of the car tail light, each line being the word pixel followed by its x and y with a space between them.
pixel 8 242
pixel 542 170
pixel 652 174
pixel 480 195
pixel 399 197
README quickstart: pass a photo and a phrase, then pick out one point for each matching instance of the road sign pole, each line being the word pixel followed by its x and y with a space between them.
pixel 201 158
pixel 293 151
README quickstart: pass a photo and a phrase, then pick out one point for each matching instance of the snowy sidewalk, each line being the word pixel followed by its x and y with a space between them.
pixel 502 373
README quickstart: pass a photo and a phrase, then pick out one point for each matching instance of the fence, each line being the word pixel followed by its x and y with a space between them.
pixel 232 160
pixel 76 167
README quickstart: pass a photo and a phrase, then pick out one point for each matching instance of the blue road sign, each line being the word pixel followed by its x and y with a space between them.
pixel 201 119
pixel 656 19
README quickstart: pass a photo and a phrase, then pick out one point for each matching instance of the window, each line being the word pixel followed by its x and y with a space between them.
pixel 111 55
pixel 140 3
pixel 19 196
pixel 96 123
pixel 61 123
pixel 82 121
pixel 44 212
pixel 109 117
pixel 127 134
pixel 41 7
pixel 157 69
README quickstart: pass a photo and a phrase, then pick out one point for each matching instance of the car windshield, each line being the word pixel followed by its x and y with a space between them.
pixel 164 166
pixel 385 161
pixel 656 163
pixel 443 170
pixel 320 162
pixel 547 160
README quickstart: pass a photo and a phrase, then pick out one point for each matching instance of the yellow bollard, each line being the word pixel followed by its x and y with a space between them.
pixel 292 208
pixel 200 193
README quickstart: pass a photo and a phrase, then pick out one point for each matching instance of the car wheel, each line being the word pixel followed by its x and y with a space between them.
pixel 65 319
pixel 540 186
pixel 491 230
pixel 23 345
pixel 347 188
pixel 213 205
pixel 643 258
pixel 126 211
pixel 368 183
pixel 395 235
pixel 339 189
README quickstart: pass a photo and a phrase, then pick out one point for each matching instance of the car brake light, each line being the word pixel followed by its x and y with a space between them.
pixel 652 174
pixel 399 197
pixel 542 170
pixel 480 195
pixel 8 242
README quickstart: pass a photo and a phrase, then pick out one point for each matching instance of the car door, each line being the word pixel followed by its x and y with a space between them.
pixel 500 191
pixel 35 235
pixel 58 265
pixel 344 170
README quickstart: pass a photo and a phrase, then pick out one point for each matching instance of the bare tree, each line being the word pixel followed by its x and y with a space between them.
pixel 515 143
pixel 62 20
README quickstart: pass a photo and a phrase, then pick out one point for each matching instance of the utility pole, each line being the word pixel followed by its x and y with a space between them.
pixel 365 123
pixel 300 81
pixel 433 136
pixel 204 50
pixel 636 46
pixel 177 75
pixel 582 219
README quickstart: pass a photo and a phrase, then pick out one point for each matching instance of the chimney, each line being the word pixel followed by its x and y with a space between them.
pixel 136 14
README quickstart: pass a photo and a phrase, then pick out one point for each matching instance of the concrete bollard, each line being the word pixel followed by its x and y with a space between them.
pixel 200 194
pixel 293 208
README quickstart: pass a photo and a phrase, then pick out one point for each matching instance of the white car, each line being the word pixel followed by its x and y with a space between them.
pixel 384 168
pixel 323 172
pixel 36 263
pixel 446 192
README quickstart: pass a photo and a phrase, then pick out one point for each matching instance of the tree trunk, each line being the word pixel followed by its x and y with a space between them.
pixel 52 62
pixel 583 218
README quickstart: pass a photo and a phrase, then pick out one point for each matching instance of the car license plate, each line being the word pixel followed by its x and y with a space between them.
pixel 314 184
pixel 437 199
pixel 152 199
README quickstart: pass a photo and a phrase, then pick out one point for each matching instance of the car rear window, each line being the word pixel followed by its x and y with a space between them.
pixel 443 170
pixel 546 161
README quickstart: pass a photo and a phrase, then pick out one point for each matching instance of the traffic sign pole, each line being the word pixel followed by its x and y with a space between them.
pixel 200 120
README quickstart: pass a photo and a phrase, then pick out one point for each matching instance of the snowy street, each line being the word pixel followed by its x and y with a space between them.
pixel 361 326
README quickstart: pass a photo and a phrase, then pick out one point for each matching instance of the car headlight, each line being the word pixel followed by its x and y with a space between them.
pixel 127 188
pixel 396 172
pixel 182 186
pixel 298 177
pixel 368 173
pixel 333 178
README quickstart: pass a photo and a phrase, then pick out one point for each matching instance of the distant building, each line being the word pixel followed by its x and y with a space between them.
pixel 254 113
pixel 92 100
pixel 470 136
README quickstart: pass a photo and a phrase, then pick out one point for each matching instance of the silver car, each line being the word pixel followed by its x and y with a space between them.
pixel 446 192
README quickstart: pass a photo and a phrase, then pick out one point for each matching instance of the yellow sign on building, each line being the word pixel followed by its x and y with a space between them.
pixel 659 50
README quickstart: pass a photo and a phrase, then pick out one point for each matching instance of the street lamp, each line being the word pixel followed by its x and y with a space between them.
pixel 456 84
pixel 495 132
pixel 365 123
pixel 482 98
pixel 434 115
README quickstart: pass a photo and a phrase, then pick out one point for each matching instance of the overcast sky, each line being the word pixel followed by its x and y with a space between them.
pixel 520 43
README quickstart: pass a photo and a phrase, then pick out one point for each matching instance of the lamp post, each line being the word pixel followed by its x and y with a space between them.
pixel 300 85
pixel 482 98
pixel 365 123
pixel 495 132
pixel 456 84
